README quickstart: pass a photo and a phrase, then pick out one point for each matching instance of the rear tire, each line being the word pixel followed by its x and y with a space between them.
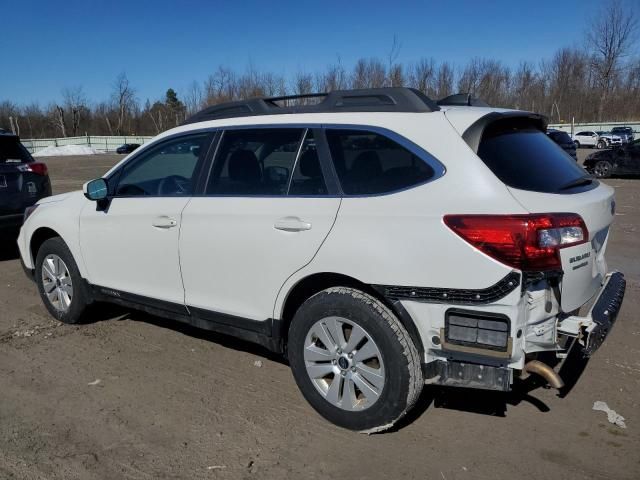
pixel 602 169
pixel 59 281
pixel 365 382
pixel 601 144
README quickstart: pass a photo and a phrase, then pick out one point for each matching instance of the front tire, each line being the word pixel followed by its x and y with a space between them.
pixel 602 169
pixel 59 281
pixel 601 144
pixel 577 144
pixel 353 360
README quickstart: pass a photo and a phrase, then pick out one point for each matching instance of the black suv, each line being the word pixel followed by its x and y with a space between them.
pixel 23 181
pixel 563 140
pixel 625 133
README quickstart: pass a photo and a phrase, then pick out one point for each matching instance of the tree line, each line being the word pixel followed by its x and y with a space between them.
pixel 597 82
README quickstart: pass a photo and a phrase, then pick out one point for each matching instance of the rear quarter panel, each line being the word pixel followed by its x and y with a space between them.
pixel 400 238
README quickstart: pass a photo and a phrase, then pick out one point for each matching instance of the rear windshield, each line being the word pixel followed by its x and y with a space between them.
pixel 12 151
pixel 560 137
pixel 524 157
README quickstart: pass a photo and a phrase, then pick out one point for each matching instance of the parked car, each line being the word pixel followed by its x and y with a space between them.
pixel 335 234
pixel 564 141
pixel 624 160
pixel 127 148
pixel 589 139
pixel 611 139
pixel 23 182
pixel 625 133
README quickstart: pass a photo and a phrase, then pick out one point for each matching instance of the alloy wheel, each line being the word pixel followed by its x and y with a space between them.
pixel 344 363
pixel 57 283
pixel 602 169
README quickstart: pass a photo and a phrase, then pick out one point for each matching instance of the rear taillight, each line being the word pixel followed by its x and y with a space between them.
pixel 35 167
pixel 526 242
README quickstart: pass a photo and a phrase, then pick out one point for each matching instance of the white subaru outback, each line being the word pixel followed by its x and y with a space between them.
pixel 378 239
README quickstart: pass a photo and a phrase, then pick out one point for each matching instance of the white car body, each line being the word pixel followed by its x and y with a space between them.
pixel 586 138
pixel 611 139
pixel 236 260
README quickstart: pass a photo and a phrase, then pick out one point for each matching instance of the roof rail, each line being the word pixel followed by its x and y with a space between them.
pixel 390 99
pixel 462 100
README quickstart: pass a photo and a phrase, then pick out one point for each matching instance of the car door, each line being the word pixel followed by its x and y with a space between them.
pixel 131 244
pixel 629 160
pixel 266 211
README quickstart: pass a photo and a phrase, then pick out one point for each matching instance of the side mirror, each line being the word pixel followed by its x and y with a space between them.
pixel 96 190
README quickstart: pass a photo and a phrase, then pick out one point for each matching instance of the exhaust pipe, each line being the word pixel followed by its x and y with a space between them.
pixel 546 372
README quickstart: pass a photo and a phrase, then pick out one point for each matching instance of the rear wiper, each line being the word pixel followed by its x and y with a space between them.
pixel 585 180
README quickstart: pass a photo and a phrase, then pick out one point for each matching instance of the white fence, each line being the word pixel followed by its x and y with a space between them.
pixel 101 143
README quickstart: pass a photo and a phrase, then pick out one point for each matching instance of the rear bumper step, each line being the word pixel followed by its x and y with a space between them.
pixel 592 329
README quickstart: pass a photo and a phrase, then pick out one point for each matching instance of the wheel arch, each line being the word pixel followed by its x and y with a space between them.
pixel 39 236
pixel 308 286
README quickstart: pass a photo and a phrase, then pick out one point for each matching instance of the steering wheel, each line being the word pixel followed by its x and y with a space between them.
pixel 174 185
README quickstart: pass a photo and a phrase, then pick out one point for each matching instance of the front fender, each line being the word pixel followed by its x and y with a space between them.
pixel 62 217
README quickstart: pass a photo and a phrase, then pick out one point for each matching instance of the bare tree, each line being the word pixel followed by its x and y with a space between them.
pixel 396 78
pixel 610 36
pixel 75 104
pixel 422 76
pixel 368 73
pixel 303 85
pixel 334 78
pixel 58 119
pixel 444 80
pixel 194 98
pixel 123 98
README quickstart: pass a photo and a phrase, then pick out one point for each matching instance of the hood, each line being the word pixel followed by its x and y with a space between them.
pixel 60 197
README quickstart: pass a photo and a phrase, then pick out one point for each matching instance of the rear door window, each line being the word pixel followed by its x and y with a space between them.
pixel 255 161
pixel 526 158
pixel 368 163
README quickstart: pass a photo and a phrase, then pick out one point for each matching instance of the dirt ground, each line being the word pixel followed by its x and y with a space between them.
pixel 131 396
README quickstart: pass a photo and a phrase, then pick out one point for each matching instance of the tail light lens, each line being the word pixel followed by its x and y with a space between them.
pixel 34 167
pixel 526 242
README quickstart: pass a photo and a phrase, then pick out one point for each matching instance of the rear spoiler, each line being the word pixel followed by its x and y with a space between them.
pixel 473 134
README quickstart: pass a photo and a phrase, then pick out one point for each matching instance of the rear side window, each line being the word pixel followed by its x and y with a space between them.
pixel 368 163
pixel 525 158
pixel 560 137
pixel 12 151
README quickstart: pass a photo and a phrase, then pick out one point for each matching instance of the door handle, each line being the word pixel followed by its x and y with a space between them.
pixel 291 224
pixel 164 222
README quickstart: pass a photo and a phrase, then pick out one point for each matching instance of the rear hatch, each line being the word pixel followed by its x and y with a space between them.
pixel 543 178
pixel 18 186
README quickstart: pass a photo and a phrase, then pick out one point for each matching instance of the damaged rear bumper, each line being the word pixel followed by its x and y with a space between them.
pixel 592 329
